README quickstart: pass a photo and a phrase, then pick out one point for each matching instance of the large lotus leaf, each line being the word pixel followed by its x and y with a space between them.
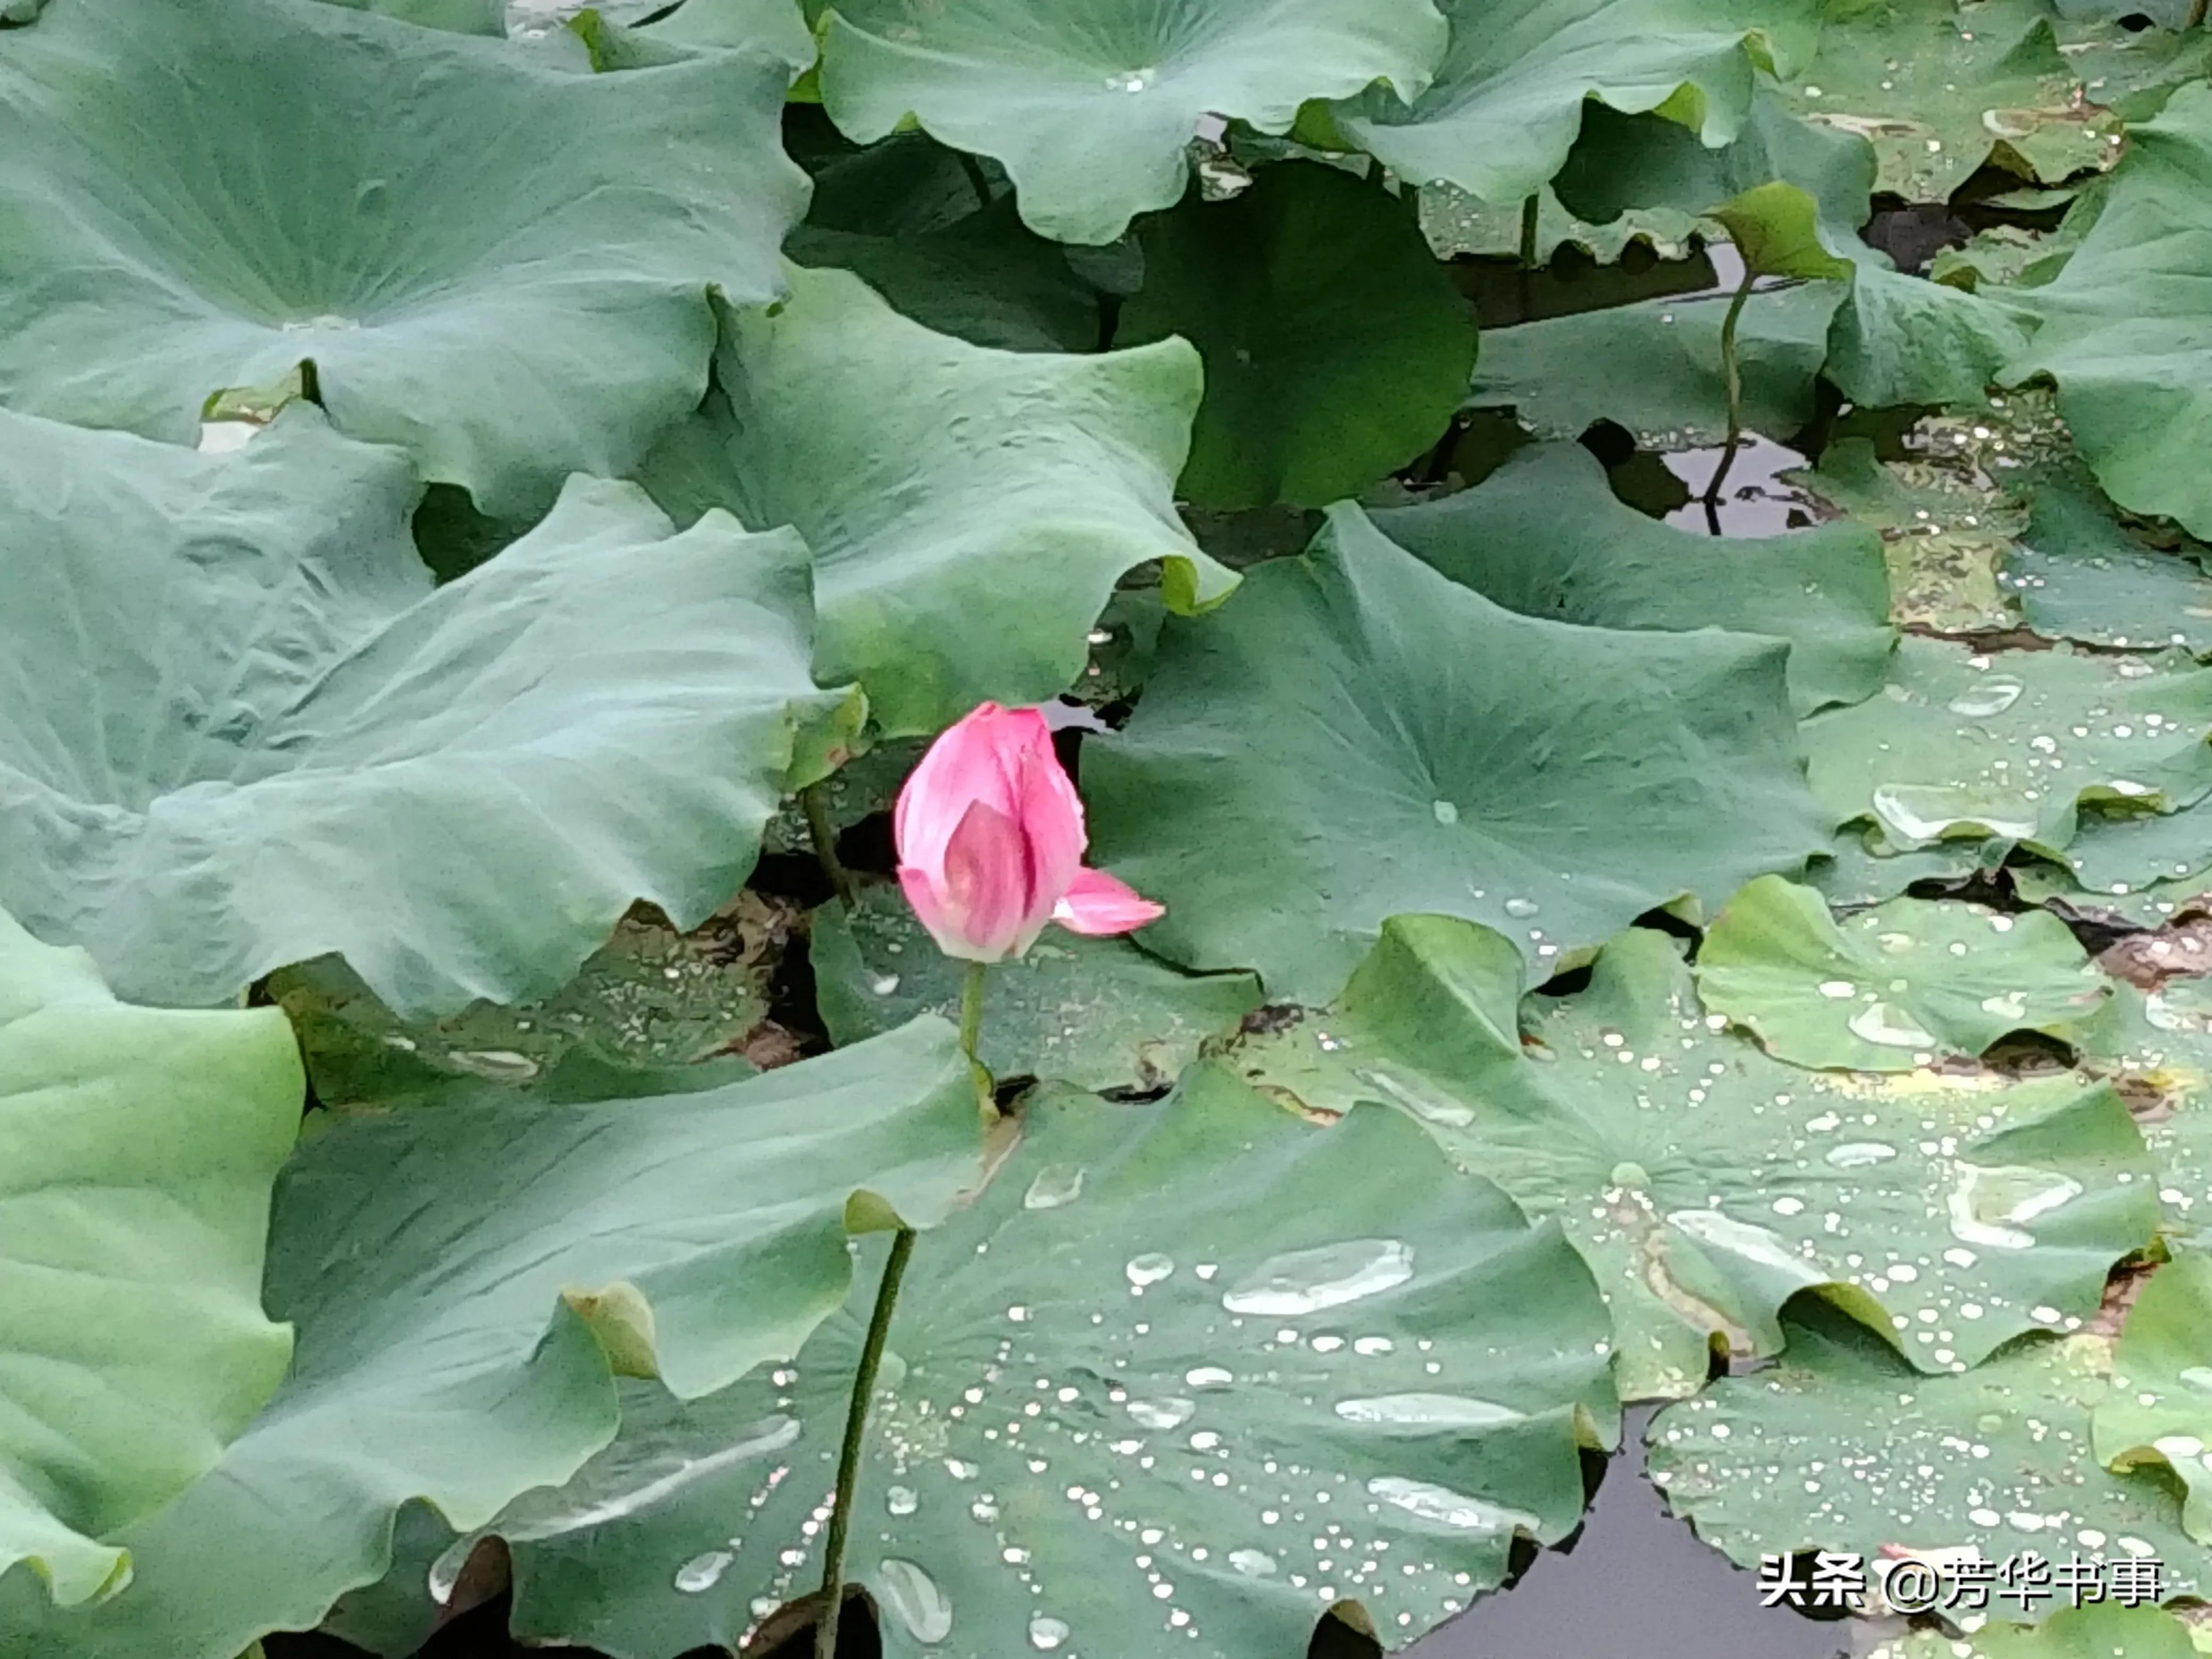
pixel 1096 1012
pixel 242 730
pixel 2114 856
pixel 2079 575
pixel 1545 536
pixel 1358 736
pixel 1941 89
pixel 1966 744
pixel 1654 366
pixel 1091 109
pixel 466 1277
pixel 985 278
pixel 138 1149
pixel 1840 1446
pixel 1336 347
pixel 1903 339
pixel 1706 1183
pixel 649 997
pixel 1890 988
pixel 2160 1045
pixel 1861 868
pixel 969 510
pixel 496 261
pixel 1621 164
pixel 2160 1410
pixel 1504 107
pixel 2126 332
pixel 1172 1386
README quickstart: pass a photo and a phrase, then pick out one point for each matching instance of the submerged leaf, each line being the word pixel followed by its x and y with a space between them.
pixel 242 730
pixel 138 1149
pixel 1358 736
pixel 449 1271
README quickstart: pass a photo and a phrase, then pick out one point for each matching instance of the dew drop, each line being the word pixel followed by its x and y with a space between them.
pixel 1890 1026
pixel 1148 1269
pixel 1047 1633
pixel 703 1572
pixel 1446 1508
pixel 1442 1411
pixel 1446 811
pixel 1521 907
pixel 1208 1377
pixel 1858 1154
pixel 1170 1413
pixel 901 1500
pixel 1307 1281
pixel 1991 695
pixel 1253 1564
pixel 1989 1204
pixel 1055 1184
pixel 918 1601
pixel 1839 989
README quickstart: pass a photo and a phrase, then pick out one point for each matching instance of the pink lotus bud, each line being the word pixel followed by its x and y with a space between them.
pixel 990 842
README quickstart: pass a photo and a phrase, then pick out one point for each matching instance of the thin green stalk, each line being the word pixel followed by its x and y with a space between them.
pixel 1528 211
pixel 856 1435
pixel 823 834
pixel 971 1028
pixel 1733 376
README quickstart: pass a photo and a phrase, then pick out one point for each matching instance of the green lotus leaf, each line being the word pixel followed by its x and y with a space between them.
pixel 985 278
pixel 1170 1374
pixel 1090 111
pixel 1545 536
pixel 1942 87
pixel 1861 868
pixel 2079 575
pixel 2143 865
pixel 1623 164
pixel 969 510
pixel 1706 1183
pixel 1654 366
pixel 1504 109
pixel 138 1149
pixel 2006 744
pixel 1903 339
pixel 1336 347
pixel 462 17
pixel 242 730
pixel 1776 228
pixel 778 28
pixel 465 1278
pixel 2165 1358
pixel 2097 1630
pixel 1994 1462
pixel 510 281
pixel 1096 1012
pixel 1358 736
pixel 1890 988
pixel 2126 334
pixel 650 996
